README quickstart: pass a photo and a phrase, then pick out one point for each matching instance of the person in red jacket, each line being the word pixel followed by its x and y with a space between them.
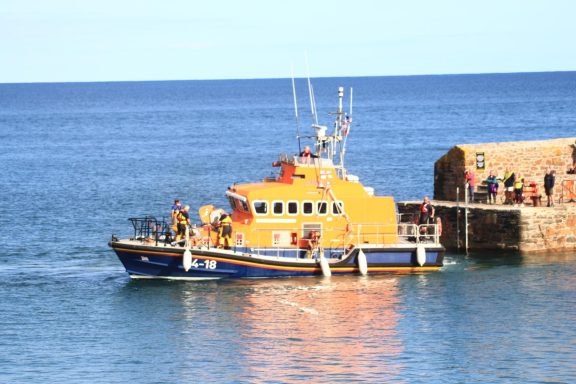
pixel 469 181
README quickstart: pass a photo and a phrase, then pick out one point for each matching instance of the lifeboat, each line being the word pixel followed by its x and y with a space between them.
pixel 314 218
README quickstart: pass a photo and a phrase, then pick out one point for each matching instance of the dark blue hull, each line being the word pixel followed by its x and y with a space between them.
pixel 146 261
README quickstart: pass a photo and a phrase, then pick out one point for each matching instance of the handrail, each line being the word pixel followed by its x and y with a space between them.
pixel 313 162
pixel 149 228
pixel 361 233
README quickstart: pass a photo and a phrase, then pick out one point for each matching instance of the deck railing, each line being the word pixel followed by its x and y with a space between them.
pixel 149 229
pixel 293 242
pixel 355 235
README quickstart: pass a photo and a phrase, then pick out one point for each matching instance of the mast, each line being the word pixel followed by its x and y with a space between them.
pixel 334 144
pixel 296 112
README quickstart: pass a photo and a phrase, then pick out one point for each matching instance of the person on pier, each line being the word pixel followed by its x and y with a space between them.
pixel 549 181
pixel 509 179
pixel 519 192
pixel 492 182
pixel 469 182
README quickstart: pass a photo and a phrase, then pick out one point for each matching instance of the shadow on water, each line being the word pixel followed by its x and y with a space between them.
pixel 486 259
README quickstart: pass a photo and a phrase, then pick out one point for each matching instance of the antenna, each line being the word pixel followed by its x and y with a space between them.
pixel 351 94
pixel 296 111
pixel 311 94
pixel 346 133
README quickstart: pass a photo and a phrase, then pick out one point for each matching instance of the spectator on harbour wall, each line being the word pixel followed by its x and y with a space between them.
pixel 492 182
pixel 508 180
pixel 549 181
pixel 519 192
pixel 469 182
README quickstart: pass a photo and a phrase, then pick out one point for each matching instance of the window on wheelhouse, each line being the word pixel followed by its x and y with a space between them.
pixel 278 207
pixel 260 207
pixel 307 208
pixel 292 208
pixel 238 204
pixel 322 208
pixel 337 208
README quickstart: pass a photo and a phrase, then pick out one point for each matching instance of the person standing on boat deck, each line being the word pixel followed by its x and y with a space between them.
pixel 492 182
pixel 426 215
pixel 183 219
pixel 426 211
pixel 307 153
pixel 225 231
pixel 549 181
pixel 469 182
pixel 508 180
pixel 174 213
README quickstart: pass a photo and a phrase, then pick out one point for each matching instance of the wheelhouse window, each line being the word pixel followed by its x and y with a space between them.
pixel 322 207
pixel 337 208
pixel 238 204
pixel 307 208
pixel 260 207
pixel 278 207
pixel 292 207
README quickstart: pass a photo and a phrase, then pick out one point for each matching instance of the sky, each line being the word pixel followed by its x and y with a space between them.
pixel 127 40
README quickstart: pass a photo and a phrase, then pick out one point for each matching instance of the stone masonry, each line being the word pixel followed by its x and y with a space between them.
pixel 527 159
pixel 503 228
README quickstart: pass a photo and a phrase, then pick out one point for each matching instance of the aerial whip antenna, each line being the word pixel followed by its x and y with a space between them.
pixel 311 94
pixel 296 111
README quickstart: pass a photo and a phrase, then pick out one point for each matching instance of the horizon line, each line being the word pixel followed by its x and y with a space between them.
pixel 284 78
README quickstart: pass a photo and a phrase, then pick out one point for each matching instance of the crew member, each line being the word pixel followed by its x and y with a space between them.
pixel 173 215
pixel 307 153
pixel 183 220
pixel 225 231
pixel 314 238
pixel 426 217
pixel 426 211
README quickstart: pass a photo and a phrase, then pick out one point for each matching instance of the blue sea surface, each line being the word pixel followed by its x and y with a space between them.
pixel 78 159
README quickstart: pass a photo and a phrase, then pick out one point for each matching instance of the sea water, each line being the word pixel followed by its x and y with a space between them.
pixel 78 159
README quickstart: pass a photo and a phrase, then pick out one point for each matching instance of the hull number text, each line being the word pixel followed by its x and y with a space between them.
pixel 207 264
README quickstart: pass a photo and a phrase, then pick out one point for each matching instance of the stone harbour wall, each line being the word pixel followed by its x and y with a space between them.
pixel 527 159
pixel 503 228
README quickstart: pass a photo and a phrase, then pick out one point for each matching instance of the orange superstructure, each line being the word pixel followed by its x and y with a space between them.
pixel 309 195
